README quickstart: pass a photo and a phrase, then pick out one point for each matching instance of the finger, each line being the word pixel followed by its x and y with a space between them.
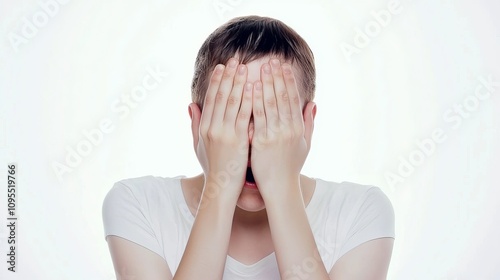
pixel 281 92
pixel 235 98
pixel 293 95
pixel 270 106
pixel 223 92
pixel 208 104
pixel 245 112
pixel 259 115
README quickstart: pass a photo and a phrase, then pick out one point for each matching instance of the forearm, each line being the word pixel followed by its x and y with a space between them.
pixel 218 133
pixel 296 251
pixel 206 250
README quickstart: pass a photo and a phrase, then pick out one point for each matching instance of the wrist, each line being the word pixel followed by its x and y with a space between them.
pixel 282 192
pixel 221 191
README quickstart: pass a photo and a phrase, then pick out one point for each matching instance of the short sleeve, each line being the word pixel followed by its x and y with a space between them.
pixel 374 219
pixel 124 216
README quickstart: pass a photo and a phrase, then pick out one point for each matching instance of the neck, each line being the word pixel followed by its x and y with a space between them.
pixel 242 218
pixel 250 220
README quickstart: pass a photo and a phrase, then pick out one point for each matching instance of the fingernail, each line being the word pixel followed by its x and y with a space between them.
pixel 249 86
pixel 275 62
pixel 286 68
pixel 267 68
pixel 219 68
pixel 232 62
pixel 241 70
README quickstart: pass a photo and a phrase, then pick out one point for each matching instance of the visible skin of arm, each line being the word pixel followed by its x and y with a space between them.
pixel 132 261
pixel 280 146
pixel 222 149
pixel 368 261
pixel 223 129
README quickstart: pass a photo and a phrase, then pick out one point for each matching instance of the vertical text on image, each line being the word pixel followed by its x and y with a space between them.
pixel 12 222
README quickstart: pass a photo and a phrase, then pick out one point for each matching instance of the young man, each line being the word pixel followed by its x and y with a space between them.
pixel 250 214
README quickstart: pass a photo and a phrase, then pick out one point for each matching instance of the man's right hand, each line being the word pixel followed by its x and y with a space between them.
pixel 223 143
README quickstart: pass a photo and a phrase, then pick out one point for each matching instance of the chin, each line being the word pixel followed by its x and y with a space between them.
pixel 250 200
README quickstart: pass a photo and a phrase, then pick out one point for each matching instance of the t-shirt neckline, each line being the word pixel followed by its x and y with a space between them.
pixel 314 196
pixel 260 264
pixel 255 267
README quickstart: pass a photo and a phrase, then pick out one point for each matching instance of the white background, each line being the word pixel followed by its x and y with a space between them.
pixel 65 74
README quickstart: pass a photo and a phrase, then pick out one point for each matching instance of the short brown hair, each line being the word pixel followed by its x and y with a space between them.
pixel 253 37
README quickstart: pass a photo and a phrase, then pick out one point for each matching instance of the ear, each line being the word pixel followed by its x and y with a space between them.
pixel 195 115
pixel 309 114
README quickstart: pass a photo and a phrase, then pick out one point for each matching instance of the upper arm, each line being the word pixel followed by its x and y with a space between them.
pixel 369 260
pixel 367 250
pixel 132 242
pixel 132 261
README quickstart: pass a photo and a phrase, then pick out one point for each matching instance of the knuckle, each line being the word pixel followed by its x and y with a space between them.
pixel 203 132
pixel 243 116
pixel 259 113
pixel 268 80
pixel 257 94
pixel 299 130
pixel 275 126
pixel 213 134
pixel 276 70
pixel 270 136
pixel 233 100
pixel 227 74
pixel 259 139
pixel 219 96
pixel 209 135
pixel 284 95
pixel 239 79
pixel 247 97
pixel 271 102
pixel 215 78
pixel 296 99
pixel 289 78
pixel 208 100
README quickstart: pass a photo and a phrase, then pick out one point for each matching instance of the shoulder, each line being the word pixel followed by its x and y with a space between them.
pixel 356 204
pixel 349 193
pixel 133 207
pixel 141 191
pixel 138 203
pixel 348 214
pixel 145 185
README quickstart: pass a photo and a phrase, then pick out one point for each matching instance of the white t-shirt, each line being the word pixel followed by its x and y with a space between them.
pixel 152 212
